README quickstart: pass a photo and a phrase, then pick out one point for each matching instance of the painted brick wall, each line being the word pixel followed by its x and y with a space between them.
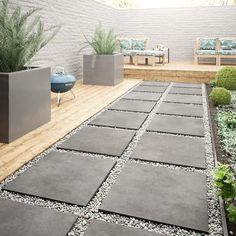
pixel 77 17
pixel 177 28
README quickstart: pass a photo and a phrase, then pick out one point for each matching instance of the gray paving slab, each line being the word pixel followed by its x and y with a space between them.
pixel 181 109
pixel 187 85
pixel 101 228
pixel 99 140
pixel 160 194
pixel 156 83
pixel 150 89
pixel 143 96
pixel 181 98
pixel 63 177
pixel 188 91
pixel 128 120
pixel 177 125
pixel 133 105
pixel 19 219
pixel 169 149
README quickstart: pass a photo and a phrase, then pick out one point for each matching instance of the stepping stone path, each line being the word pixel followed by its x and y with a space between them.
pixel 141 163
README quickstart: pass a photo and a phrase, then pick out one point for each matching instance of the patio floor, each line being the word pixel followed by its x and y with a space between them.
pixel 139 162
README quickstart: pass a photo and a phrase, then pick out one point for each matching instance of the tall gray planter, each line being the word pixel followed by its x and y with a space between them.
pixel 103 69
pixel 24 102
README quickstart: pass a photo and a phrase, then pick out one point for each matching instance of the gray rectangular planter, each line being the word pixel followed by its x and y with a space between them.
pixel 103 69
pixel 24 102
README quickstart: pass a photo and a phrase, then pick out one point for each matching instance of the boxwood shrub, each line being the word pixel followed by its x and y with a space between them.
pixel 226 78
pixel 220 96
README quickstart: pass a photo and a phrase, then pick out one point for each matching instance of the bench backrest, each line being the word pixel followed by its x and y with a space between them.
pixel 133 43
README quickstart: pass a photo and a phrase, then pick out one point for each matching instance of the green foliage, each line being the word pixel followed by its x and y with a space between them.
pixel 225 182
pixel 21 37
pixel 230 120
pixel 220 96
pixel 226 78
pixel 226 133
pixel 212 83
pixel 103 42
pixel 231 213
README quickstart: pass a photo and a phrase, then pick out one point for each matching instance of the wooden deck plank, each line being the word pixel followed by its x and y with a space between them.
pixel 72 112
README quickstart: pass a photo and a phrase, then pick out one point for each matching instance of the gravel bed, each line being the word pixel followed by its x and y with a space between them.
pixel 91 211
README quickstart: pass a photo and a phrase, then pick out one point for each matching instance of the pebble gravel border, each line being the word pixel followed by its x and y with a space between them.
pixel 86 214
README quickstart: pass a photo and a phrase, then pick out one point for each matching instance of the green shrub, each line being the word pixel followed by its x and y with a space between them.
pixel 226 78
pixel 231 213
pixel 103 42
pixel 20 36
pixel 220 96
pixel 230 120
pixel 212 83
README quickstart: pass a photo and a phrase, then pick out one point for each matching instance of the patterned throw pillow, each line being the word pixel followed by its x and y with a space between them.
pixel 125 44
pixel 139 44
pixel 228 44
pixel 207 43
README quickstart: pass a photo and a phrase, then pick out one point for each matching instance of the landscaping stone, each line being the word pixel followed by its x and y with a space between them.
pixel 143 96
pixel 150 89
pixel 99 140
pixel 133 105
pixel 156 83
pixel 169 149
pixel 101 228
pixel 177 125
pixel 129 120
pixel 181 98
pixel 187 85
pixel 181 109
pixel 191 91
pixel 63 177
pixel 19 219
pixel 160 194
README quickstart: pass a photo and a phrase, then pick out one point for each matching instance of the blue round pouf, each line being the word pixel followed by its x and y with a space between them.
pixel 61 83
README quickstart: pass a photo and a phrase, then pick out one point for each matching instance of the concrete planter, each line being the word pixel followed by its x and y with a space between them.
pixel 24 102
pixel 103 69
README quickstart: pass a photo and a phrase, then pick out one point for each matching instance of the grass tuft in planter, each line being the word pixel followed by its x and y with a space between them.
pixel 104 66
pixel 24 91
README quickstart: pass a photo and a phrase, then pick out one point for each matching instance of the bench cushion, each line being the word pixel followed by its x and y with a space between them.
pixel 139 44
pixel 207 43
pixel 143 53
pixel 228 44
pixel 206 52
pixel 125 43
pixel 227 52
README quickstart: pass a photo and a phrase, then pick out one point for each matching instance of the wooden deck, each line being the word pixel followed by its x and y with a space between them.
pixel 175 71
pixel 72 112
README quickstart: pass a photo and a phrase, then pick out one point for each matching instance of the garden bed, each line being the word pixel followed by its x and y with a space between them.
pixel 224 149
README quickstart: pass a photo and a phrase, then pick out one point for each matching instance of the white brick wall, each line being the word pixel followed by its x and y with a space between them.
pixel 177 28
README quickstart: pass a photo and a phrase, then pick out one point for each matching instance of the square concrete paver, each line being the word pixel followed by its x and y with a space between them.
pixel 160 194
pixel 181 98
pixel 143 96
pixel 187 85
pixel 181 109
pixel 150 89
pixel 156 83
pixel 19 219
pixel 63 177
pixel 177 125
pixel 133 105
pixel 129 120
pixel 188 91
pixel 101 228
pixel 99 140
pixel 177 150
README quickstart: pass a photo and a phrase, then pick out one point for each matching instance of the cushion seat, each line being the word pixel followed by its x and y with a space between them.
pixel 143 53
pixel 206 52
pixel 227 52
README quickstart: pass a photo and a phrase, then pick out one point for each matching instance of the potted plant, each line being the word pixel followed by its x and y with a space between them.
pixel 105 66
pixel 24 90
